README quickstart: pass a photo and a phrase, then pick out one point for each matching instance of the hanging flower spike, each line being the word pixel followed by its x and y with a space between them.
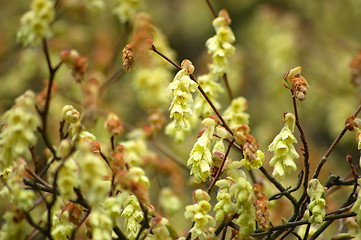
pixel 283 149
pixel 220 45
pixel 22 123
pixel 297 83
pixel 35 24
pixel 235 114
pixel 201 156
pixel 224 199
pixel 212 88
pixel 198 213
pixel 317 204
pixel 181 87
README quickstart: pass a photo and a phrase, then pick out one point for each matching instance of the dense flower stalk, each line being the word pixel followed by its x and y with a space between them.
pixel 317 204
pixel 35 24
pixel 220 45
pixel 22 122
pixel 283 149
pixel 200 156
pixel 198 213
pixel 235 115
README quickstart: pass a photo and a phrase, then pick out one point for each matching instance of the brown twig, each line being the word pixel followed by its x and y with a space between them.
pixel 211 8
pixel 220 170
pixel 332 147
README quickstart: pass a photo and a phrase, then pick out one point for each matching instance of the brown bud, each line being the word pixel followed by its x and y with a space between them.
pixel 128 57
pixel 113 125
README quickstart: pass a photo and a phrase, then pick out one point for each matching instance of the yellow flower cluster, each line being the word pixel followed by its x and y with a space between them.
pixel 35 24
pixel 283 149
pixel 317 204
pixel 198 213
pixel 212 88
pixel 235 115
pixel 127 9
pixel 241 189
pixel 220 45
pixel 201 156
pixel 22 122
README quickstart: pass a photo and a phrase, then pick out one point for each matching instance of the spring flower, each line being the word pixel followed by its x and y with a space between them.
pixel 181 87
pixel 235 114
pixel 241 189
pixel 35 24
pixel 212 88
pixel 127 9
pixel 198 213
pixel 220 45
pixel 224 197
pixel 100 224
pixel 160 228
pixel 317 204
pixel 14 226
pixel 70 114
pixel 135 151
pixel 94 4
pixel 297 83
pixel 68 179
pixel 113 207
pixel 93 171
pixel 283 149
pixel 151 85
pixel 178 134
pixel 62 228
pixel 22 123
pixel 169 201
pixel 200 156
pixel 253 157
pixel 132 214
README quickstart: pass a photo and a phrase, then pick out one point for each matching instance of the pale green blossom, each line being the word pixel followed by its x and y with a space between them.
pixel 235 114
pixel 62 228
pixel 220 45
pixel 14 226
pixel 200 156
pixel 161 231
pixel 132 214
pixel 169 201
pixel 224 199
pixel 22 123
pixel 135 151
pixel 212 88
pixel 101 224
pixel 94 5
pixel 198 213
pixel 151 85
pixel 181 87
pixel 35 24
pixel 283 149
pixel 92 174
pixel 127 9
pixel 241 189
pixel 70 114
pixel 255 163
pixel 68 179
pixel 317 204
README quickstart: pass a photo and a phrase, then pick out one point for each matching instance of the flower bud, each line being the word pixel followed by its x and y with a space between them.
pixel 113 125
pixel 70 114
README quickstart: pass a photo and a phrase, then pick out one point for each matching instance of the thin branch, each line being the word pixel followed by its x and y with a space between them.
pixel 228 87
pixel 211 8
pixel 199 88
pixel 220 170
pixel 306 154
pixel 332 147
